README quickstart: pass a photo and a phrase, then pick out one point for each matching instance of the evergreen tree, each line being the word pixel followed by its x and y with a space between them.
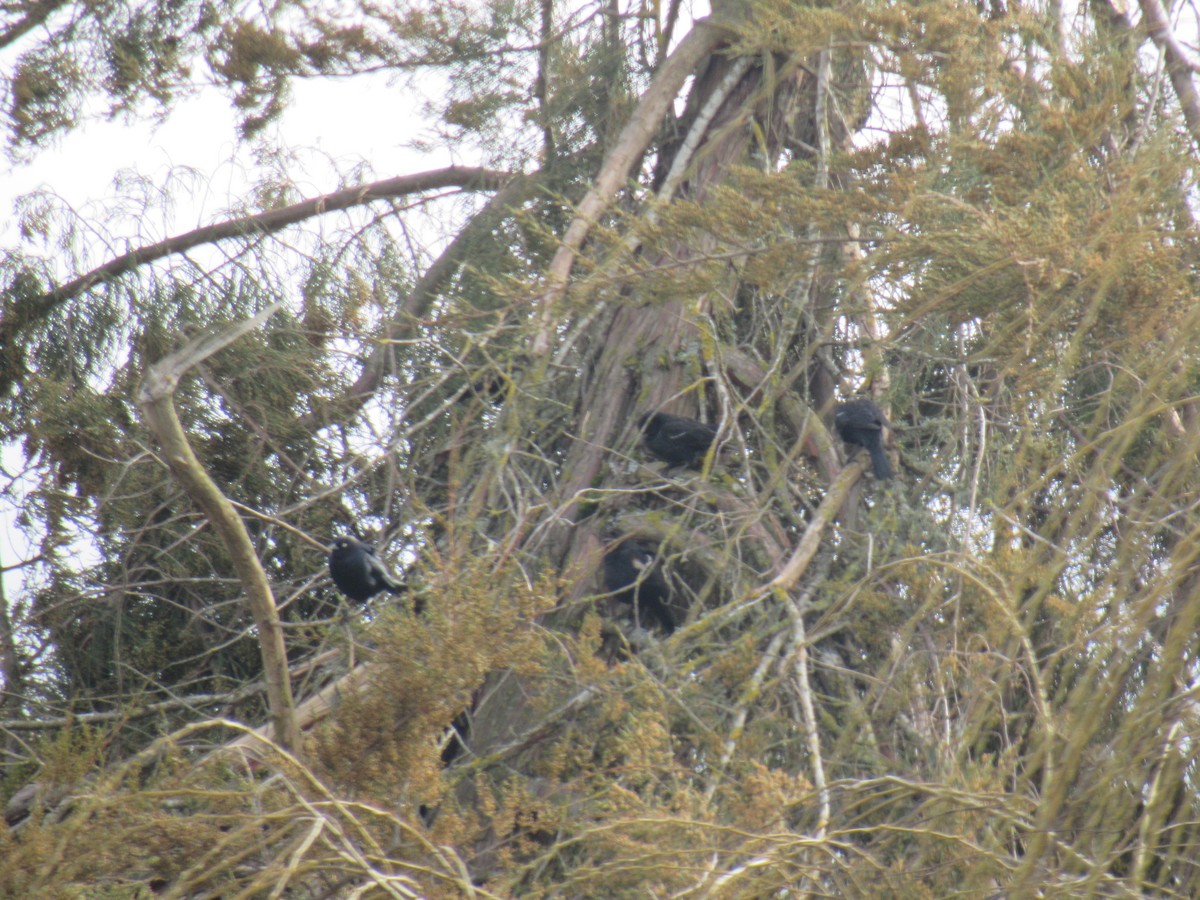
pixel 975 678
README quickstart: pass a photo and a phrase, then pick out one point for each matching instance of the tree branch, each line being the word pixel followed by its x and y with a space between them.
pixel 271 221
pixel 156 401
pixel 420 299
pixel 183 701
pixel 33 16
pixel 1178 67
pixel 312 710
pixel 810 542
pixel 630 146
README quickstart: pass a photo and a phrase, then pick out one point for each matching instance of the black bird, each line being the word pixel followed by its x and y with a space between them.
pixel 357 571
pixel 860 423
pixel 676 439
pixel 632 575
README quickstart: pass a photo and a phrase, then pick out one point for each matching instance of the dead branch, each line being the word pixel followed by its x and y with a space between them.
pixel 420 298
pixel 810 542
pixel 156 401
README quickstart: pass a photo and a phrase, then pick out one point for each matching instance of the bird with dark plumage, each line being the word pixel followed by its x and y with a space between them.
pixel 357 571
pixel 678 440
pixel 860 424
pixel 633 576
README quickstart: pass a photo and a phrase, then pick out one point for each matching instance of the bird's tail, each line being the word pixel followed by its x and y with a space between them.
pixel 660 611
pixel 879 460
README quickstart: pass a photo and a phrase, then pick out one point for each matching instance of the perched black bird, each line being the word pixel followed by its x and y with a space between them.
pixel 357 571
pixel 632 575
pixel 860 423
pixel 676 439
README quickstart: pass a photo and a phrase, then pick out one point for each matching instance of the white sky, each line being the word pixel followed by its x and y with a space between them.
pixel 330 127
pixel 335 121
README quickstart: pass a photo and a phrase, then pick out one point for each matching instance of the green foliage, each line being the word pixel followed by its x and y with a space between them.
pixel 423 672
pixel 981 680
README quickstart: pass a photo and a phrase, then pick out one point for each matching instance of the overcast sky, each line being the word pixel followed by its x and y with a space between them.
pixel 333 120
pixel 331 127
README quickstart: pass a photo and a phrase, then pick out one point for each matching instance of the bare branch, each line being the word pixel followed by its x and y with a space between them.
pixel 274 220
pixel 155 399
pixel 420 298
pixel 810 542
pixel 630 146
pixel 1178 66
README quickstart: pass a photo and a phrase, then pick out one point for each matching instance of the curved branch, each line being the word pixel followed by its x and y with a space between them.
pixel 156 398
pixel 630 146
pixel 1178 67
pixel 419 301
pixel 810 542
pixel 273 220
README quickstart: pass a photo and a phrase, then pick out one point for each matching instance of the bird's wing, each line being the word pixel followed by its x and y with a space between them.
pixel 696 434
pixel 379 571
pixel 674 432
pixel 640 558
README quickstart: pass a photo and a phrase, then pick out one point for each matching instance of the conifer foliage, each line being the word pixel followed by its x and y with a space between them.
pixel 975 678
